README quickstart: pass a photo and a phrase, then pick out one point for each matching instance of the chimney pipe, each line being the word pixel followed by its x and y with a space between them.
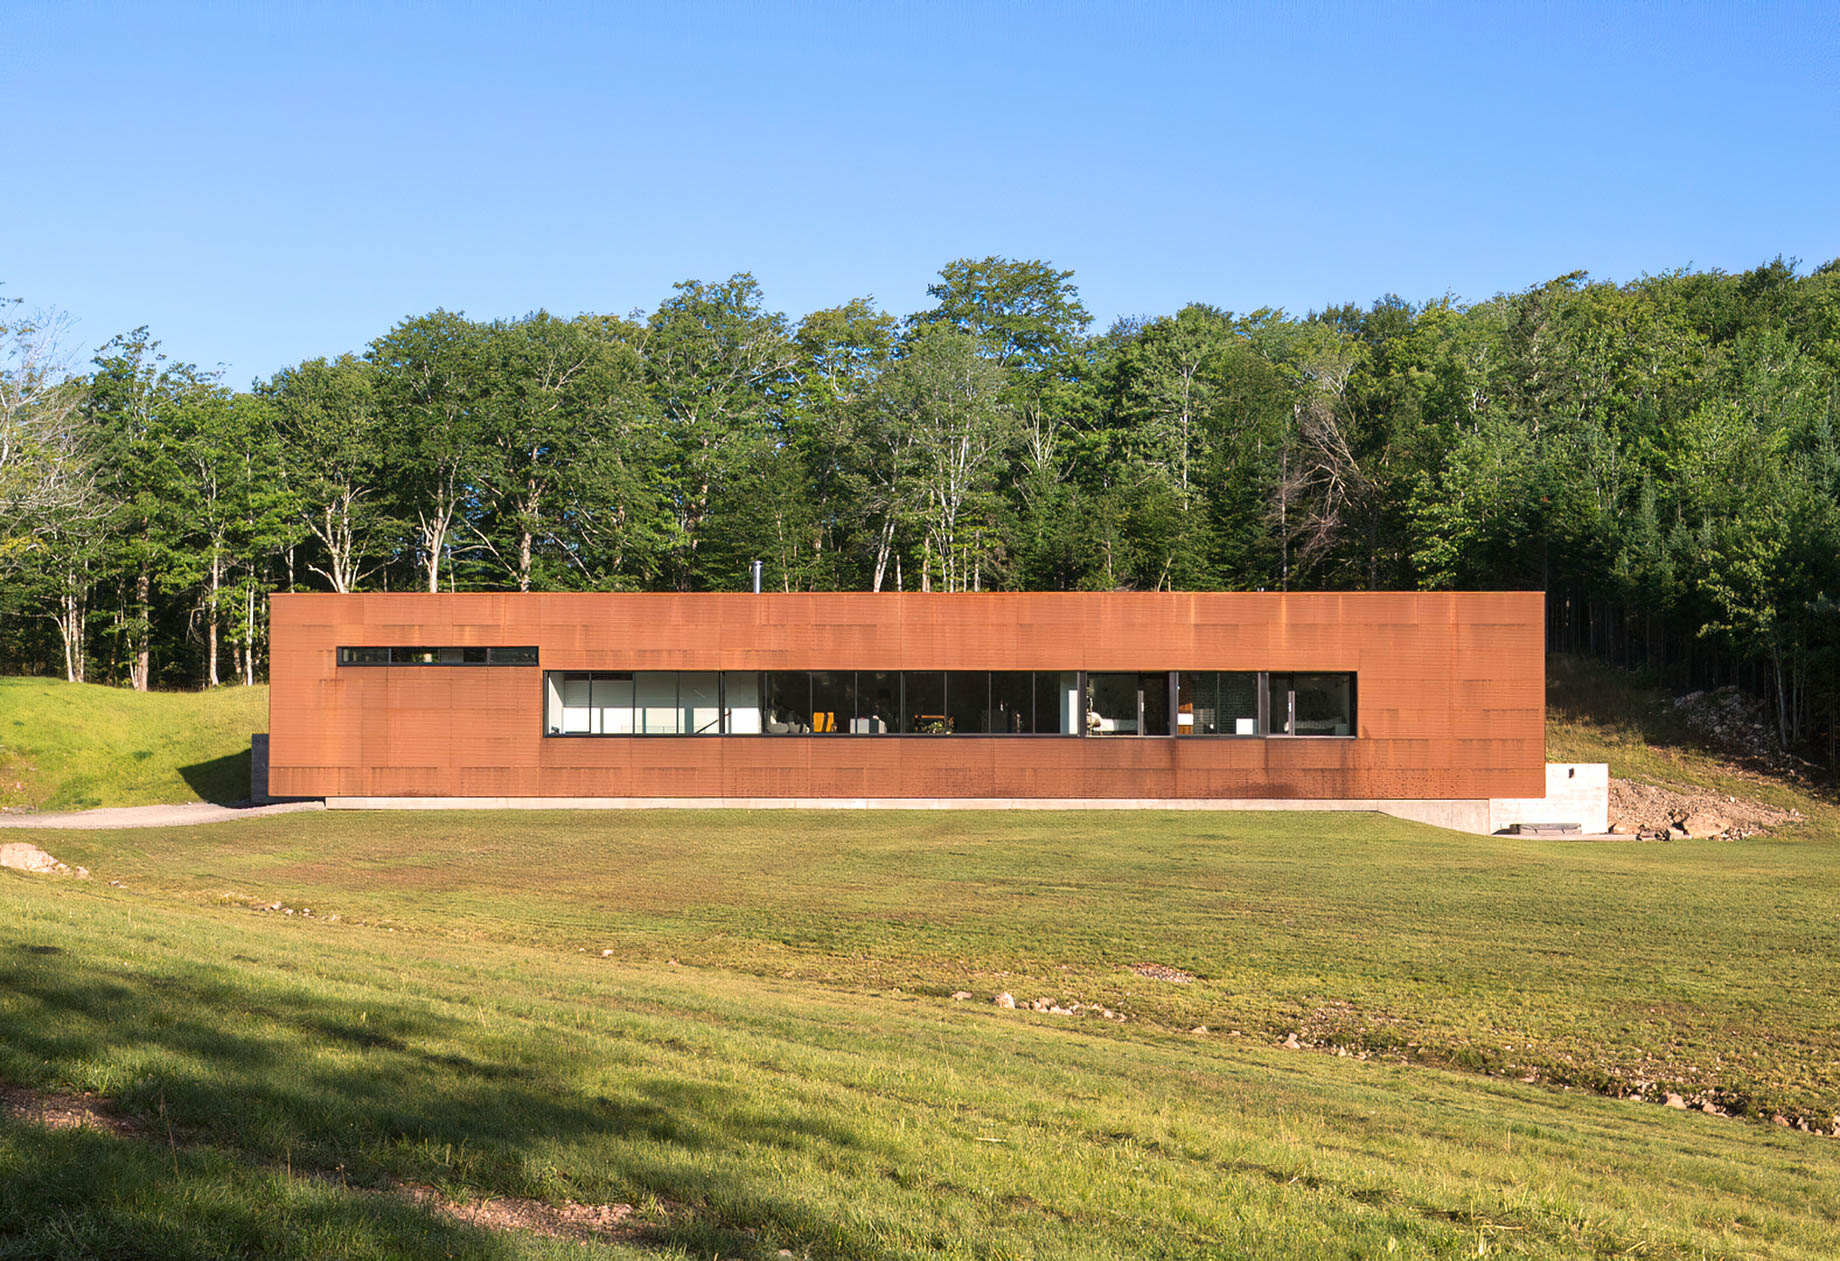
pixel 757 567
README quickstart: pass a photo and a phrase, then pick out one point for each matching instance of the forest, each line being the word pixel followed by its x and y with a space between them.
pixel 1660 456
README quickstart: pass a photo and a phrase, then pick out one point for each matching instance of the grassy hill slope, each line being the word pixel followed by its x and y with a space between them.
pixel 280 1068
pixel 69 746
pixel 770 1054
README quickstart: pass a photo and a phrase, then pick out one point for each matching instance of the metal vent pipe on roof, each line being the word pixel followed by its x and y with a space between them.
pixel 757 566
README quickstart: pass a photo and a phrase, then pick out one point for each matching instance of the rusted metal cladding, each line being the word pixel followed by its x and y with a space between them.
pixel 1451 694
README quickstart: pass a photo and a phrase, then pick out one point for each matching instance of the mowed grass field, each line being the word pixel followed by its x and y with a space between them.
pixel 771 1057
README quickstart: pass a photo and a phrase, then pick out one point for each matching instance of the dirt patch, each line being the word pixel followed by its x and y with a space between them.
pixel 1163 972
pixel 1653 813
pixel 57 1111
pixel 582 1223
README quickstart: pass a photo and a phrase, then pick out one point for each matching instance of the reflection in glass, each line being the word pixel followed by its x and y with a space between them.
pixel 925 703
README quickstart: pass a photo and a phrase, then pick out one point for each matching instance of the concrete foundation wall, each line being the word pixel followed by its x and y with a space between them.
pixel 1576 792
pixel 1460 815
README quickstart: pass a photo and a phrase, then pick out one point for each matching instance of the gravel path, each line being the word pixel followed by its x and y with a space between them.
pixel 182 815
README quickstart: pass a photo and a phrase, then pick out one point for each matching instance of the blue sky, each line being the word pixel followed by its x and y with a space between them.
pixel 261 184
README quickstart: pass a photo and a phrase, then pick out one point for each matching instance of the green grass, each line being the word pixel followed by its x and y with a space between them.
pixel 69 746
pixel 750 1113
pixel 1598 714
pixel 771 1057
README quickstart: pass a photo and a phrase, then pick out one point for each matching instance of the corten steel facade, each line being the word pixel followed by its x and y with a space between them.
pixel 1451 694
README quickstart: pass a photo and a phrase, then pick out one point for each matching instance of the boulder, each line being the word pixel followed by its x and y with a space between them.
pixel 1703 823
pixel 19 856
pixel 1006 1001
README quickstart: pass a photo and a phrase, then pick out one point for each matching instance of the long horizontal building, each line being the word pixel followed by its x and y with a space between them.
pixel 1367 700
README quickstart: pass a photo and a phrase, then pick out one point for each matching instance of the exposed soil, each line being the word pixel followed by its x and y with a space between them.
pixel 1652 813
pixel 1163 972
pixel 569 1220
pixel 57 1111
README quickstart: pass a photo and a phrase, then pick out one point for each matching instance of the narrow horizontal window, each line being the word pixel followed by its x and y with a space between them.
pixel 479 656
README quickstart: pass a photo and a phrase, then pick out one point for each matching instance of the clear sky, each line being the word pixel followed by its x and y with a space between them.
pixel 264 183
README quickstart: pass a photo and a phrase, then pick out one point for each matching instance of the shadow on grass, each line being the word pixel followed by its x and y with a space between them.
pixel 223 780
pixel 77 1193
pixel 231 1081
pixel 1582 690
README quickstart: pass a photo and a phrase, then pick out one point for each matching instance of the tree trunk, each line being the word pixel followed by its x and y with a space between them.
pixel 210 621
pixel 249 634
pixel 140 673
pixel 883 546
pixel 72 623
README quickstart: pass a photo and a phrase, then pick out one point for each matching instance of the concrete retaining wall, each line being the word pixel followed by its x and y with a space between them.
pixel 1576 792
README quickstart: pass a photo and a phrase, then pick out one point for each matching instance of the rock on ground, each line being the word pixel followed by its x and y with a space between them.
pixel 21 856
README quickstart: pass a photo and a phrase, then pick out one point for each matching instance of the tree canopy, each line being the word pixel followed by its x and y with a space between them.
pixel 1661 456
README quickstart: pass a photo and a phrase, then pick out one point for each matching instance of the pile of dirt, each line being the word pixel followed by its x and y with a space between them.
pixel 1662 814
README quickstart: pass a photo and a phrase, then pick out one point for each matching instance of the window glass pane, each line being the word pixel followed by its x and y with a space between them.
pixel 655 710
pixel 878 703
pixel 451 656
pixel 1111 704
pixel 364 656
pixel 788 702
pixel 1224 704
pixel 1012 703
pixel 741 696
pixel 474 656
pixel 968 702
pixel 925 706
pixel 552 703
pixel 577 714
pixel 613 704
pixel 1239 704
pixel 1197 704
pixel 415 656
pixel 696 694
pixel 1154 690
pixel 833 700
pixel 1278 703
pixel 512 656
pixel 1054 694
pixel 1323 705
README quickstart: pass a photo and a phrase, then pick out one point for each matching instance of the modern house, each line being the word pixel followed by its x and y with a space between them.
pixel 1426 705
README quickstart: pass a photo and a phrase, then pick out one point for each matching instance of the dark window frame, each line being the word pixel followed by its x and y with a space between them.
pixel 489 655
pixel 1082 678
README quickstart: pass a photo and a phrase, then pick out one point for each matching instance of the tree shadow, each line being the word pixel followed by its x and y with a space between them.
pixel 368 1094
pixel 79 1193
pixel 223 780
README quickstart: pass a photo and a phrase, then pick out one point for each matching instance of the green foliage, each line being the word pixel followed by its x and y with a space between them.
pixel 1660 456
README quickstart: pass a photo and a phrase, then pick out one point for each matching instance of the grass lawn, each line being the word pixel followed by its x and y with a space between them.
pixel 771 1057
pixel 69 746
pixel 745 1113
